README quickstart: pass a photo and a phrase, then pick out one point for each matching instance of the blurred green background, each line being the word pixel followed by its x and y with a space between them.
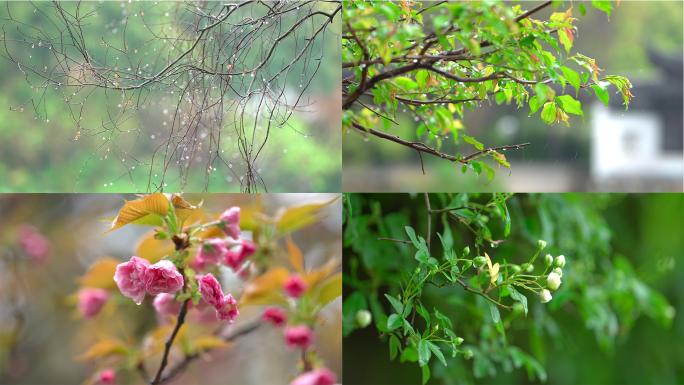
pixel 558 159
pixel 616 319
pixel 41 156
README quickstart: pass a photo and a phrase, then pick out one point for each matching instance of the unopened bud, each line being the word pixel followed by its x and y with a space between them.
pixel 553 281
pixel 479 261
pixel 435 328
pixel 548 260
pixel 513 269
pixel 541 245
pixel 363 318
pixel 467 265
pixel 458 341
pixel 416 270
pixel 560 261
pixel 545 296
pixel 468 354
pixel 529 268
pixel 466 251
pixel 558 271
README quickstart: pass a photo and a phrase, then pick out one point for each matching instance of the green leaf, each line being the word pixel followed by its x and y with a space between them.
pixel 382 325
pixel 602 93
pixel 421 256
pixel 426 374
pixel 394 321
pixel 422 78
pixel 518 297
pixel 582 9
pixel 412 234
pixel 464 169
pixel 527 41
pixel 397 305
pixel 471 140
pixel 570 105
pixel 476 167
pixel 394 346
pixel 409 354
pixel 548 114
pixel 490 172
pixel 438 353
pixel 534 105
pixel 494 309
pixel 572 77
pixel 603 6
pixel 423 353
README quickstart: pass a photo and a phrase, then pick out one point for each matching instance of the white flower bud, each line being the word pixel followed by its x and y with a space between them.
pixel 558 271
pixel 363 318
pixel 541 245
pixel 553 281
pixel 545 296
pixel 548 260
pixel 560 261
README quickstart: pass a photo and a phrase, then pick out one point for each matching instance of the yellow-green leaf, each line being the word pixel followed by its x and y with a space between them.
pixel 296 258
pixel 298 217
pixel 104 348
pixel 332 288
pixel 100 274
pixel 265 289
pixel 209 342
pixel 153 206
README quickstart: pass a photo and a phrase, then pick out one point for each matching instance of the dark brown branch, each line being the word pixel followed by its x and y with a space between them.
pixel 421 147
pixel 181 319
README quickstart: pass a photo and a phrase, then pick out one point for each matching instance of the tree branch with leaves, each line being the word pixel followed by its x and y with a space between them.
pixel 437 61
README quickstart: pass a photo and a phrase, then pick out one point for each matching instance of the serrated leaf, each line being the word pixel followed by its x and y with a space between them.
pixel 476 167
pixel 395 303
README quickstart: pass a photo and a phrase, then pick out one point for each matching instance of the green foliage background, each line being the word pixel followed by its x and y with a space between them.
pixel 617 317
pixel 40 156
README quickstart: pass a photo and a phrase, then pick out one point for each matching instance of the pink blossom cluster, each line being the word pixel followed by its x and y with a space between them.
pixel 295 286
pixel 215 251
pixel 320 376
pixel 225 305
pixel 137 277
pixel 106 377
pixel 91 300
pixel 34 244
pixel 296 336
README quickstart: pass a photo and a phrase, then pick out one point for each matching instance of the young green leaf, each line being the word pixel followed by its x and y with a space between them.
pixel 534 105
pixel 496 316
pixel 471 140
pixel 394 346
pixel 476 167
pixel 549 112
pixel 570 105
pixel 490 172
pixel 518 297
pixel 423 353
pixel 436 351
pixel 412 235
pixel 397 305
pixel 572 77
pixel 394 321
pixel 602 93
pixel 426 374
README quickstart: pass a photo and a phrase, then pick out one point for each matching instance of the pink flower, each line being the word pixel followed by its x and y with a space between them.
pixel 34 244
pixel 107 376
pixel 231 222
pixel 165 304
pixel 235 258
pixel 320 376
pixel 300 336
pixel 275 315
pixel 130 277
pixel 227 309
pixel 163 277
pixel 211 290
pixel 212 250
pixel 295 286
pixel 91 300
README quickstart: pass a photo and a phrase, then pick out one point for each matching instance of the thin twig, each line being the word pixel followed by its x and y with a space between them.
pixel 510 308
pixel 453 209
pixel 393 240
